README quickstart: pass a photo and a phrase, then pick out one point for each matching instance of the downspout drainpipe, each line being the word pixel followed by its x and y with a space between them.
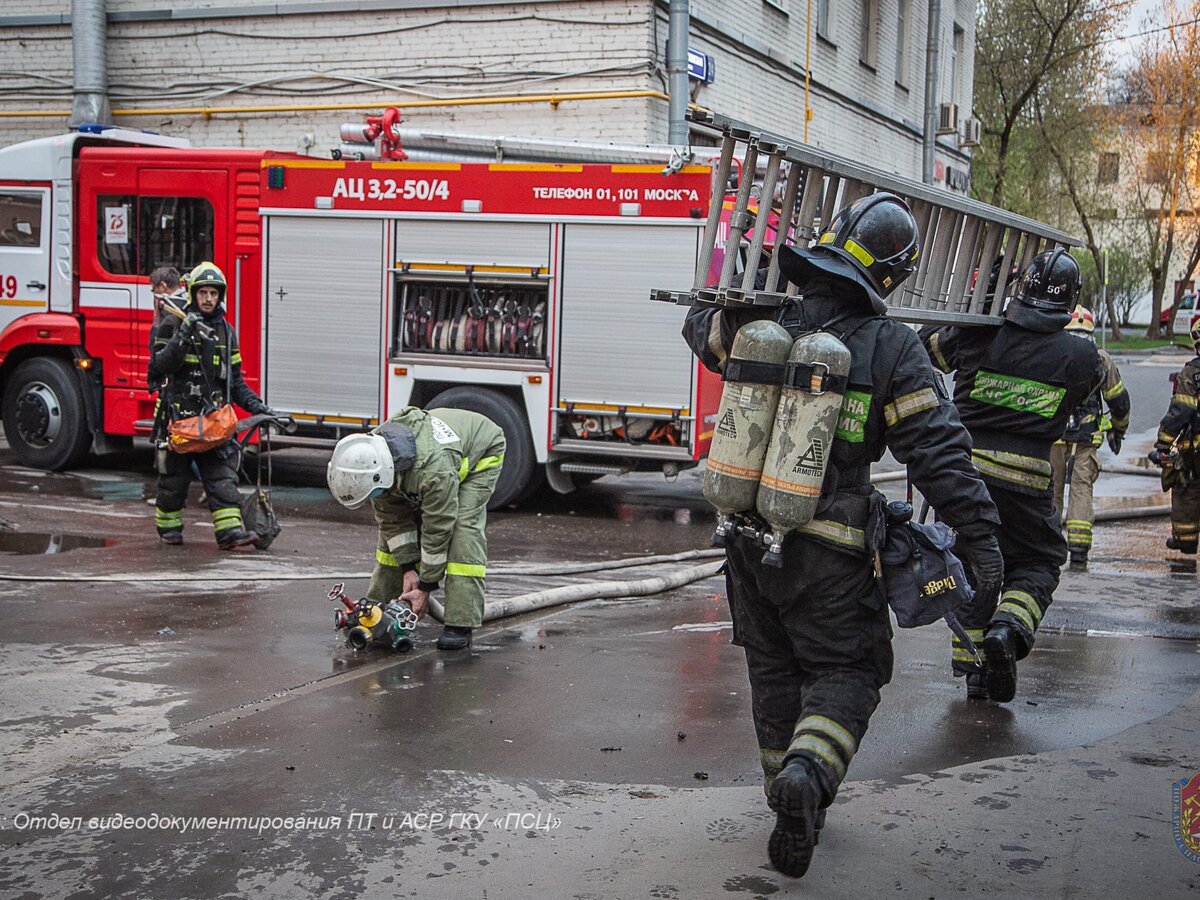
pixel 931 80
pixel 677 73
pixel 89 33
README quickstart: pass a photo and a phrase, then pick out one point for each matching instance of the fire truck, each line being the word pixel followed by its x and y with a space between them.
pixel 359 286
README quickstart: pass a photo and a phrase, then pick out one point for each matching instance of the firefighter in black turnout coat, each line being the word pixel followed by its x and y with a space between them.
pixel 816 631
pixel 198 363
pixel 1015 389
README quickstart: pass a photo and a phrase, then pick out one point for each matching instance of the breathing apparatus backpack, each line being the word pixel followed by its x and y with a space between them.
pixel 775 428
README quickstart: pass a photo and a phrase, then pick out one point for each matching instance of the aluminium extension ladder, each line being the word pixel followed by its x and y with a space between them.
pixel 959 236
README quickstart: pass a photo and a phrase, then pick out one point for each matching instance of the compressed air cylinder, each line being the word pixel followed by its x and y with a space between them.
pixel 802 438
pixel 743 430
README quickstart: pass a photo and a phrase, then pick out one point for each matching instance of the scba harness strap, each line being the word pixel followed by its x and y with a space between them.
pixel 809 377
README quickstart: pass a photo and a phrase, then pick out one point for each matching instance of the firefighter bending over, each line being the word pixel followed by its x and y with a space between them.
pixel 1016 387
pixel 429 476
pixel 1177 450
pixel 198 364
pixel 815 630
pixel 1074 458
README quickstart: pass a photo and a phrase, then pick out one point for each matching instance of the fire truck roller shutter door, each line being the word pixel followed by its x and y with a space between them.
pixel 519 475
pixel 45 421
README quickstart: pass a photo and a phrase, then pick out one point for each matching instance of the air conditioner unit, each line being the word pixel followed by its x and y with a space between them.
pixel 947 118
pixel 971 132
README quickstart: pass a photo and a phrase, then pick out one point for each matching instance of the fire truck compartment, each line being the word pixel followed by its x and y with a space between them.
pixel 615 349
pixel 323 328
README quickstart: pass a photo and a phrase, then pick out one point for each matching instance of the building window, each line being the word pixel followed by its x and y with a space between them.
pixel 777 5
pixel 1110 168
pixel 824 26
pixel 135 235
pixel 20 220
pixel 957 59
pixel 903 16
pixel 868 45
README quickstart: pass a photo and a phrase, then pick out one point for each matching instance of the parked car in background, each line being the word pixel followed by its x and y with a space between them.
pixel 1183 314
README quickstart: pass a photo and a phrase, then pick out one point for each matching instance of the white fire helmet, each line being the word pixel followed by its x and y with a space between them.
pixel 361 468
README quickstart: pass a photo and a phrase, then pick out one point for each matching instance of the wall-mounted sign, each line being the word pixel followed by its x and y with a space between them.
pixel 955 179
pixel 701 67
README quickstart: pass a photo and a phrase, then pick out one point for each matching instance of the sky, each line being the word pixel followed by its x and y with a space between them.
pixel 1145 14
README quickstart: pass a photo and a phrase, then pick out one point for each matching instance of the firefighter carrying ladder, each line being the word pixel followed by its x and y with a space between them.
pixel 959 236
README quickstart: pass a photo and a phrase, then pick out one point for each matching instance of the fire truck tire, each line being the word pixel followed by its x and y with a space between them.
pixel 44 417
pixel 519 459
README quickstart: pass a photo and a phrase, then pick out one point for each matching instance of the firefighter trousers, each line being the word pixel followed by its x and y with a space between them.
pixel 1084 463
pixel 1185 512
pixel 1034 552
pixel 817 639
pixel 218 474
pixel 466 566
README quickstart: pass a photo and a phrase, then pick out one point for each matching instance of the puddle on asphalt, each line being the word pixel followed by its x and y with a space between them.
pixel 18 543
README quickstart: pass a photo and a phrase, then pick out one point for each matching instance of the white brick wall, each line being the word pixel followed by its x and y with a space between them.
pixel 858 112
pixel 448 51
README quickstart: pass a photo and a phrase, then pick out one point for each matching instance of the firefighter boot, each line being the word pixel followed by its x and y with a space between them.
pixel 454 637
pixel 977 686
pixel 1000 651
pixel 236 539
pixel 795 798
pixel 172 536
pixel 1181 544
pixel 1079 557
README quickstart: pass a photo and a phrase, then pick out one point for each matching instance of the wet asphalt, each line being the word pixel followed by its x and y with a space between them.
pixel 187 723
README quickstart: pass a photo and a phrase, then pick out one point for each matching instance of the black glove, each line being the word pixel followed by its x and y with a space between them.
pixel 188 327
pixel 1114 442
pixel 287 423
pixel 982 554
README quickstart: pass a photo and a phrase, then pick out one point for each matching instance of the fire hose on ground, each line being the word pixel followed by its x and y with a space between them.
pixel 572 568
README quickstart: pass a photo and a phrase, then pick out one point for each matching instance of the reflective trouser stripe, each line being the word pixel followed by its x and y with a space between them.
pixel 386 559
pixel 772 760
pixel 826 740
pixel 466 569
pixel 1022 607
pixel 168 520
pixel 961 656
pixel 226 517
pixel 1079 532
pixel 772 764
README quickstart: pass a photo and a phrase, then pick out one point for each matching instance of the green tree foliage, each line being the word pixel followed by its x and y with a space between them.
pixel 1040 79
pixel 1160 127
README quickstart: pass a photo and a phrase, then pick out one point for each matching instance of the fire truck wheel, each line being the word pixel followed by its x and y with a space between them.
pixel 44 418
pixel 519 461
